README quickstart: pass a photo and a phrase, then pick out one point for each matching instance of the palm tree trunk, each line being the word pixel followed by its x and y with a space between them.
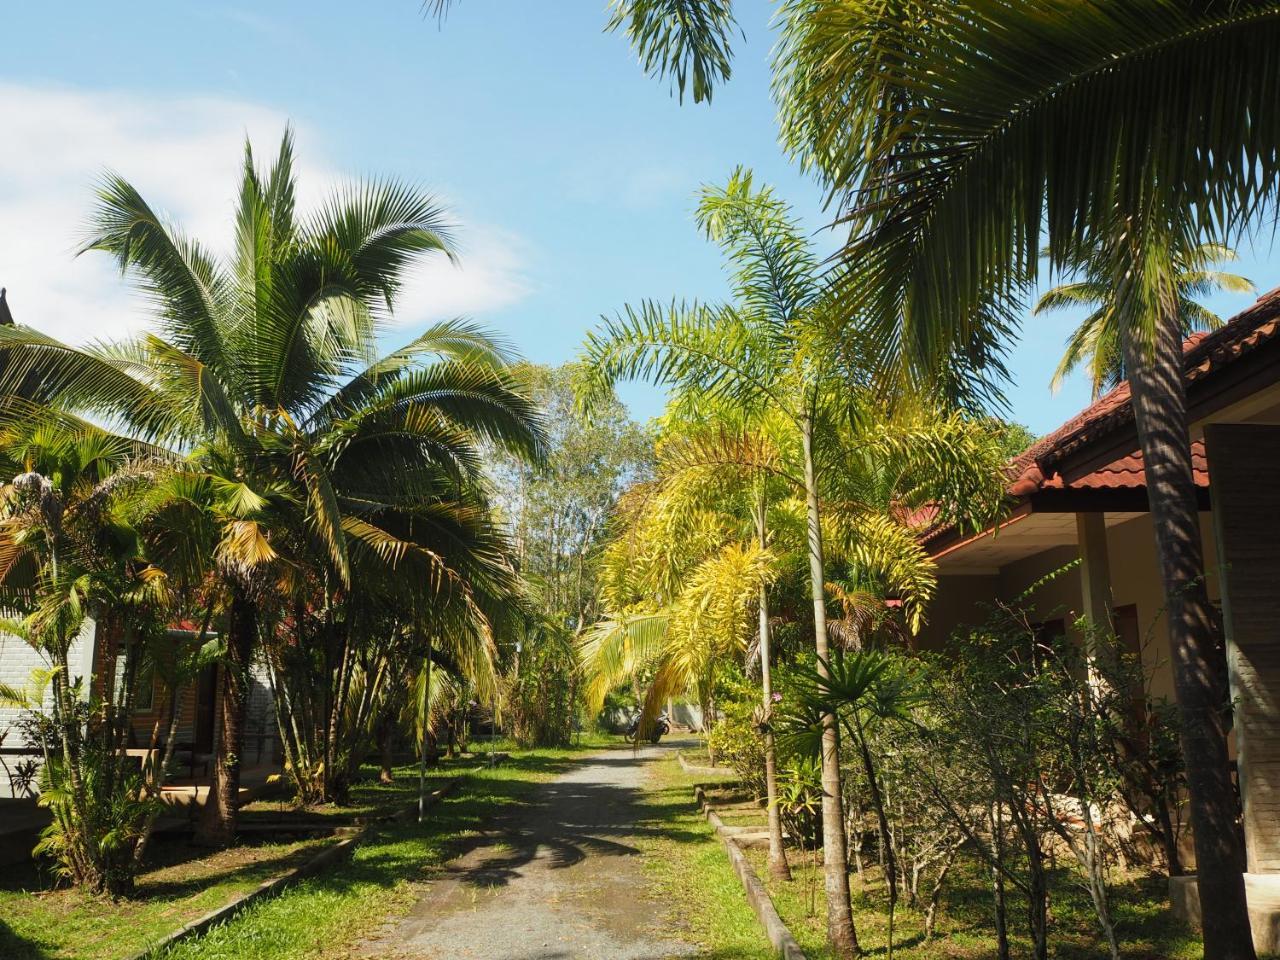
pixel 424 726
pixel 778 866
pixel 1199 670
pixel 841 934
pixel 217 824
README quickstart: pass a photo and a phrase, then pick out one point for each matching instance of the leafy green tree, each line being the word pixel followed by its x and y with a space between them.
pixel 558 510
pixel 306 451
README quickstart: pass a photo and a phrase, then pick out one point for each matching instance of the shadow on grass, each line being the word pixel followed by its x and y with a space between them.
pixel 14 947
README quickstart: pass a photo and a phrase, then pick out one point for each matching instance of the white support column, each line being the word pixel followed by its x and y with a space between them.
pixel 1095 568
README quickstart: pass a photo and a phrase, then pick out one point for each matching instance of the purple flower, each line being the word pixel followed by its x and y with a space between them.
pixel 776 697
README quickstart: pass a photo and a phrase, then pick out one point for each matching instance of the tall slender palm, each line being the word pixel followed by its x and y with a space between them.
pixel 957 135
pixel 1096 343
pixel 307 448
pixel 670 530
pixel 763 351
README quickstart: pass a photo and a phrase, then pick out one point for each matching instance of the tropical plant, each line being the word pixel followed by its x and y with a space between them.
pixel 306 452
pixel 863 689
pixel 707 459
pixel 959 138
pixel 72 555
pixel 1096 342
pixel 765 350
pixel 686 40
pixel 769 353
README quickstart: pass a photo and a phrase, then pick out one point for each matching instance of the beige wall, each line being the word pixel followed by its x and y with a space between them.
pixel 1134 579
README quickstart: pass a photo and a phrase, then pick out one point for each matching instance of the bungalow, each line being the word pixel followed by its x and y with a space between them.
pixel 1079 494
pixel 96 659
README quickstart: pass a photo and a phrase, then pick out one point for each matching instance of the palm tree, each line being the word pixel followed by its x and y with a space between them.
pixel 764 351
pixel 1096 342
pixel 957 136
pixel 689 41
pixel 669 533
pixel 71 550
pixel 305 448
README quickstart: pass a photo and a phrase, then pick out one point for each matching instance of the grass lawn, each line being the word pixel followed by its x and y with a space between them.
pixel 692 873
pixel 39 923
pixel 1145 927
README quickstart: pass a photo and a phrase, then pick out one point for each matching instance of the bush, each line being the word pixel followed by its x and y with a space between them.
pixel 736 742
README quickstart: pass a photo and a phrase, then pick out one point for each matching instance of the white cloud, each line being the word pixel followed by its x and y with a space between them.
pixel 183 154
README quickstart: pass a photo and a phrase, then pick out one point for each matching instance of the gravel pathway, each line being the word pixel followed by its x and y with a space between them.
pixel 558 879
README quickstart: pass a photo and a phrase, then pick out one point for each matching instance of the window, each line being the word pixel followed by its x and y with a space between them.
pixel 144 692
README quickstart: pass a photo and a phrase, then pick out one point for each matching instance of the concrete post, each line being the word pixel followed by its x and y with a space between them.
pixel 1095 568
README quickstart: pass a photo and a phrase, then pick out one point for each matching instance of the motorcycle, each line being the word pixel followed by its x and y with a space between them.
pixel 661 727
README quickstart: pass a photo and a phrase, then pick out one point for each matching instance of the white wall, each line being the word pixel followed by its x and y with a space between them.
pixel 17 661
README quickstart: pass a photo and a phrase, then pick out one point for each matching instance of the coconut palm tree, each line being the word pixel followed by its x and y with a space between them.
pixel 305 448
pixel 1095 344
pixel 958 137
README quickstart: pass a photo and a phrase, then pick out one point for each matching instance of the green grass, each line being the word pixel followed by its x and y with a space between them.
pixel 316 918
pixel 326 915
pixel 692 874
pixel 1144 925
pixel 692 865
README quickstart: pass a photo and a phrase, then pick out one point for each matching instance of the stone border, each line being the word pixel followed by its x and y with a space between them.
pixel 688 767
pixel 325 858
pixel 757 894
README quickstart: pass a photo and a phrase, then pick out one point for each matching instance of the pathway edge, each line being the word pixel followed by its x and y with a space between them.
pixel 329 855
pixel 757 895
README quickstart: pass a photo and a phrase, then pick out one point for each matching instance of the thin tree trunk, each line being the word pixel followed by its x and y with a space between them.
pixel 841 934
pixel 386 731
pixel 997 883
pixel 217 824
pixel 778 866
pixel 424 722
pixel 888 854
pixel 1199 670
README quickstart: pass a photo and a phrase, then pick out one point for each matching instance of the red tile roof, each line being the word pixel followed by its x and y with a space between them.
pixel 1203 355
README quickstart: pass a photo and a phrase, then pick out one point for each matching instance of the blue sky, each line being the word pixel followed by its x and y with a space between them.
pixel 571 174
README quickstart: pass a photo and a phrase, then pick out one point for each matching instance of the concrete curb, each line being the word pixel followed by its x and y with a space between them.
pixel 757 895
pixel 325 858
pixel 688 767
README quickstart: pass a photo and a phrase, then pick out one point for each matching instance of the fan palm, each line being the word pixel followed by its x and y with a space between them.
pixel 960 136
pixel 305 447
pixel 1096 345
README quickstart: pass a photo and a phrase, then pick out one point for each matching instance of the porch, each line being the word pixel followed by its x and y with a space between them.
pixel 1080 495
